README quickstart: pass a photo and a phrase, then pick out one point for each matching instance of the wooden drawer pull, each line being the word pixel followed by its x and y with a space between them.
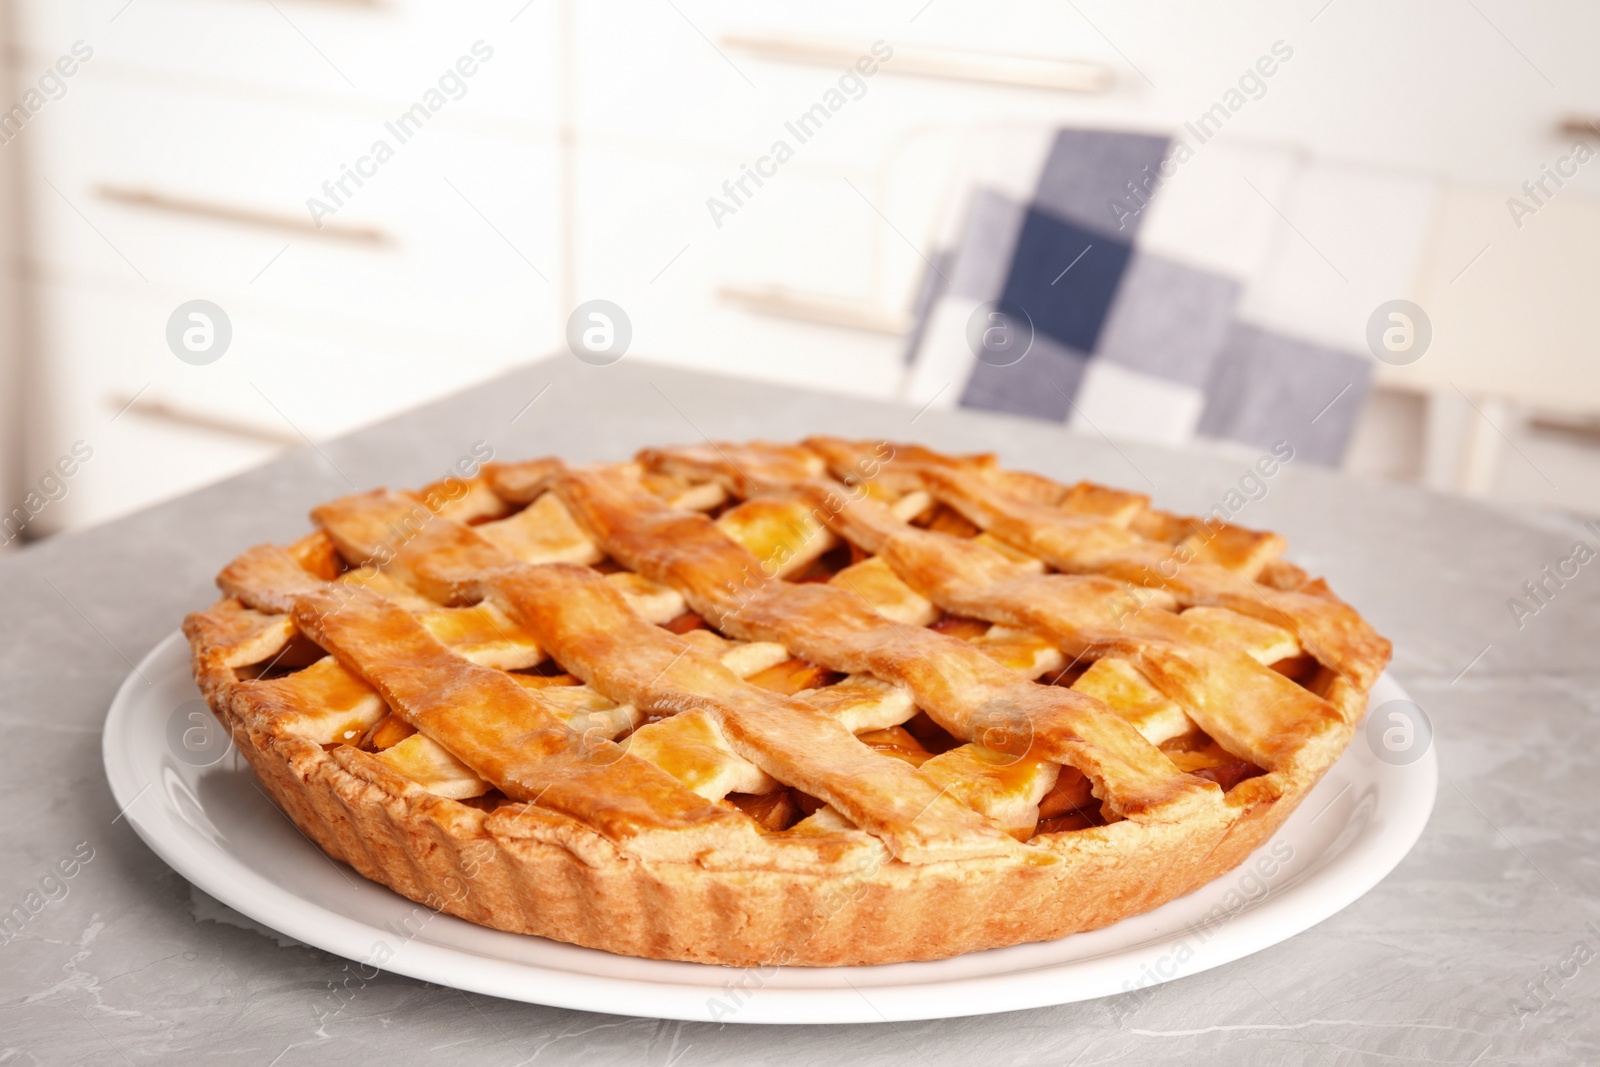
pixel 787 303
pixel 996 68
pixel 162 411
pixel 154 200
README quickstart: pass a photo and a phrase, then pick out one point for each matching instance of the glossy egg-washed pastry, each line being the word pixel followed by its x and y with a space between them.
pixel 842 702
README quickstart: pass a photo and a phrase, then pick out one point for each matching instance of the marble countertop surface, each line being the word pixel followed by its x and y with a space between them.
pixel 1482 947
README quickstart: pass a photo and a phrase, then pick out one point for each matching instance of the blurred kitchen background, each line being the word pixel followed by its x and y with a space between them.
pixel 543 153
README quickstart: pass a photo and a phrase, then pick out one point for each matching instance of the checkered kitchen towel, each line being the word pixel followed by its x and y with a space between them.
pixel 1153 289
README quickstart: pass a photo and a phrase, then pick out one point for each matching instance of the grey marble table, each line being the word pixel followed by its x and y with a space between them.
pixel 1468 953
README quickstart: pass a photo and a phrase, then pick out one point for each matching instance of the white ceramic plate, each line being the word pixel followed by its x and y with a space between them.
pixel 216 827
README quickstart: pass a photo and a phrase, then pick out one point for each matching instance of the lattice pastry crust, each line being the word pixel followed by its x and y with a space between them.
pixel 842 702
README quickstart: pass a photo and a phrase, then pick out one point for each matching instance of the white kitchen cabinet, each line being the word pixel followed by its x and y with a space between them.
pixel 453 239
pixel 179 163
pixel 284 379
pixel 578 163
pixel 318 53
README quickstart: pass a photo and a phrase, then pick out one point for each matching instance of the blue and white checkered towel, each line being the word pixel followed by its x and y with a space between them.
pixel 1152 289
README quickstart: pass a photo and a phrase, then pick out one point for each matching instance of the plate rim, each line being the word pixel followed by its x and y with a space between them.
pixel 1314 897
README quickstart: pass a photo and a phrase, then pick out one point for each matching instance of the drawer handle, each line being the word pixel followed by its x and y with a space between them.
pixel 162 411
pixel 785 303
pixel 190 207
pixel 995 68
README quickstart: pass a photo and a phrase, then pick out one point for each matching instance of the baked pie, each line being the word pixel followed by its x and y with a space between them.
pixel 843 702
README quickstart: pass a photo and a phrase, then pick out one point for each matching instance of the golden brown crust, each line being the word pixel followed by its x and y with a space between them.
pixel 632 849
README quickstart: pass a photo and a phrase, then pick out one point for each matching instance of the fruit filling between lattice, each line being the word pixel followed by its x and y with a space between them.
pixel 759 649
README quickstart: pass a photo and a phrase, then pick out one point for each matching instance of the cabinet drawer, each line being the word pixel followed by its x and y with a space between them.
pixel 452 241
pixel 136 463
pixel 279 378
pixel 342 52
pixel 678 75
pixel 649 246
